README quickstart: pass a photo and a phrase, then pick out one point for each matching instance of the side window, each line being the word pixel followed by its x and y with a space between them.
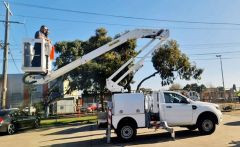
pixel 168 98
pixel 17 114
pixel 180 98
pixel 173 98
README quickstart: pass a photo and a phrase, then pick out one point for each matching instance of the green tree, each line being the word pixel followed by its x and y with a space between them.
pixel 220 88
pixel 146 90
pixel 169 63
pixel 195 87
pixel 175 87
pixel 39 107
pixel 92 75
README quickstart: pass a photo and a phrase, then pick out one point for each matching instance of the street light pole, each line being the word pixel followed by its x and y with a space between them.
pixel 220 57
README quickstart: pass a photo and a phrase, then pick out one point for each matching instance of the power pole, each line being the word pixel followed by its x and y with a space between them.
pixel 5 56
pixel 220 57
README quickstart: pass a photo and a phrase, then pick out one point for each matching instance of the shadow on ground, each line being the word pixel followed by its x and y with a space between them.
pixel 235 143
pixel 2 134
pixel 80 128
pixel 235 123
pixel 140 139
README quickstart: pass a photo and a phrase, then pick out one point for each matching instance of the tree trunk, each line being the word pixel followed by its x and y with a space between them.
pixel 152 75
pixel 101 99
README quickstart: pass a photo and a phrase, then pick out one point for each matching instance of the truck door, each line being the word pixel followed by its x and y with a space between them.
pixel 177 110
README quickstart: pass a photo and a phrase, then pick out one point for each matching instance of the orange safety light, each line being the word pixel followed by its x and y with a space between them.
pixel 52 53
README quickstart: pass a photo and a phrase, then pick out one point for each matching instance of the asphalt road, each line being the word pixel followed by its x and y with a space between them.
pixel 226 134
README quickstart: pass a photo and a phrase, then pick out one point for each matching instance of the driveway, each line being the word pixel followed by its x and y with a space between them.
pixel 227 134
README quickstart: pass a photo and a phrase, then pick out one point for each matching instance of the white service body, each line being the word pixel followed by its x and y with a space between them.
pixel 128 105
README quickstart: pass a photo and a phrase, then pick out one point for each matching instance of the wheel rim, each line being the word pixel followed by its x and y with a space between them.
pixel 11 129
pixel 207 125
pixel 126 132
pixel 36 123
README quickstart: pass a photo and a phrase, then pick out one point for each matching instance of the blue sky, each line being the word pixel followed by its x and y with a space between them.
pixel 193 38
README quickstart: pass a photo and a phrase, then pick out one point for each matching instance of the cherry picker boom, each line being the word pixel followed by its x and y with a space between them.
pixel 42 75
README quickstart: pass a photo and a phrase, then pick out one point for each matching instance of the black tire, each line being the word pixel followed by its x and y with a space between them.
pixel 192 128
pixel 36 123
pixel 11 129
pixel 206 126
pixel 126 132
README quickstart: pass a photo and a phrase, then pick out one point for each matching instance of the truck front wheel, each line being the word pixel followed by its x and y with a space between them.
pixel 126 132
pixel 206 126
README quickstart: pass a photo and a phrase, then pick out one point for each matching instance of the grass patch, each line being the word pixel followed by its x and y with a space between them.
pixel 65 121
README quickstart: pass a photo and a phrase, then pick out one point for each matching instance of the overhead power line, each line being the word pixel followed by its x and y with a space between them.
pixel 118 24
pixel 79 21
pixel 11 59
pixel 216 49
pixel 226 58
pixel 11 22
pixel 210 53
pixel 208 59
pixel 125 17
pixel 14 61
pixel 207 46
pixel 212 44
pixel 214 53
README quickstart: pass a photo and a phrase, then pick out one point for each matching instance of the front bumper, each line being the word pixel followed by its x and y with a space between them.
pixel 219 116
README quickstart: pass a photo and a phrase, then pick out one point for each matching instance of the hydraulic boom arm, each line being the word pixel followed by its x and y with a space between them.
pixel 135 34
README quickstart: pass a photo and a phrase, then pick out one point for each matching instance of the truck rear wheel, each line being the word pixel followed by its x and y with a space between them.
pixel 206 126
pixel 126 132
pixel 36 124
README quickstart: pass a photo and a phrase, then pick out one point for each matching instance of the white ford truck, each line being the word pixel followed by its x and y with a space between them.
pixel 134 110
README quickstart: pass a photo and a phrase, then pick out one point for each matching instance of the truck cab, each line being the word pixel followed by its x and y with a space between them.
pixel 180 110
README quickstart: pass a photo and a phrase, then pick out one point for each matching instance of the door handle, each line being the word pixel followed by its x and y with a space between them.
pixel 168 106
pixel 194 107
